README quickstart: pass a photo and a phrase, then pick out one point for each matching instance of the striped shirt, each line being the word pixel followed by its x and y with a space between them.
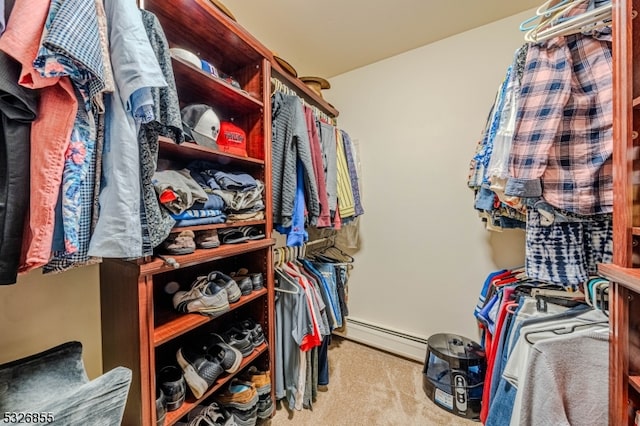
pixel 563 139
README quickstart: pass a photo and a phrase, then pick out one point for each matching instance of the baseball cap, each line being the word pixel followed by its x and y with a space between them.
pixel 232 139
pixel 185 55
pixel 201 123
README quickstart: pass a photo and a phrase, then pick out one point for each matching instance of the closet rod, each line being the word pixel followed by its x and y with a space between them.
pixel 283 88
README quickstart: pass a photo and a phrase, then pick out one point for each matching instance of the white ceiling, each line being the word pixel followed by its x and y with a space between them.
pixel 329 37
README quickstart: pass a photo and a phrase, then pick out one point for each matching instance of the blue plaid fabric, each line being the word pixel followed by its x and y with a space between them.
pixel 72 32
pixel 563 140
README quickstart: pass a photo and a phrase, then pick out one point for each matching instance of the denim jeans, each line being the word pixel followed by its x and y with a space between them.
pixel 342 278
pixel 328 273
pixel 323 361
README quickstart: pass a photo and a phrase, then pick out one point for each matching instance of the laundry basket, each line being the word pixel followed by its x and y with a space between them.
pixel 453 374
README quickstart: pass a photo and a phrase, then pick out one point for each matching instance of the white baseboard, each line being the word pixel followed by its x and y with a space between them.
pixel 394 341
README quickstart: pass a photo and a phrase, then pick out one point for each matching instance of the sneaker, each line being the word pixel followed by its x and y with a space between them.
pixel 218 340
pixel 180 243
pixel 254 329
pixel 244 417
pixel 260 379
pixel 228 357
pixel 227 283
pixel 207 239
pixel 204 297
pixel 200 369
pixel 213 412
pixel 172 384
pixel 265 406
pixel 240 340
pixel 238 394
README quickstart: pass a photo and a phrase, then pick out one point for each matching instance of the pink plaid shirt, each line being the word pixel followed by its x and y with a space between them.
pixel 563 139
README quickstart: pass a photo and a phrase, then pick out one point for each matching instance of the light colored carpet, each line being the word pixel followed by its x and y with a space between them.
pixel 369 387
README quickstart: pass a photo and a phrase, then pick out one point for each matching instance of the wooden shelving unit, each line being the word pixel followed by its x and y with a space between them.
pixel 174 324
pixel 624 273
pixel 140 327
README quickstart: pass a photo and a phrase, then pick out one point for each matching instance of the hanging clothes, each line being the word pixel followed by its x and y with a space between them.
pixel 290 143
pixel 324 218
pixel 155 221
pixel 353 173
pixel 18 109
pixel 344 185
pixel 118 232
pixel 50 132
pixel 77 55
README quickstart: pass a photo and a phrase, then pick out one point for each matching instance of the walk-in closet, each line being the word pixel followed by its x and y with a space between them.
pixel 221 212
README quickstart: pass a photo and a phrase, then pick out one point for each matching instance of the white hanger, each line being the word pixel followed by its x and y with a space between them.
pixel 584 22
pixel 296 290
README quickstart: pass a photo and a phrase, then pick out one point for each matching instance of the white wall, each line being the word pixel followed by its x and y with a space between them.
pixel 417 116
pixel 42 311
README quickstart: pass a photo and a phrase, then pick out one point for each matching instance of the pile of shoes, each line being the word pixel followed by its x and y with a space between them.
pixel 203 362
pixel 240 398
pixel 207 296
pixel 245 335
pixel 212 294
pixel 240 234
pixel 262 382
pixel 186 242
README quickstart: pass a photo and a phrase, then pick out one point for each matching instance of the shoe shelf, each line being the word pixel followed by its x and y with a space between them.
pixel 194 82
pixel 174 324
pixel 188 151
pixel 190 402
pixel 200 256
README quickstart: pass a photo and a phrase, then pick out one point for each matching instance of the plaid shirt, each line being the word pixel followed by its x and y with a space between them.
pixel 563 139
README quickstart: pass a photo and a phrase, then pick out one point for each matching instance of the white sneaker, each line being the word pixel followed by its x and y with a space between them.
pixel 205 297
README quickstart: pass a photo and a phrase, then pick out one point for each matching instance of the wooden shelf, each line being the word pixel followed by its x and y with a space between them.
pixel 190 403
pixel 198 26
pixel 634 381
pixel 158 265
pixel 174 324
pixel 635 230
pixel 198 87
pixel 302 89
pixel 627 277
pixel 191 151
pixel 636 102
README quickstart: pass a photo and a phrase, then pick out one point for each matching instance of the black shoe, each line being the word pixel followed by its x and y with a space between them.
pixel 254 329
pixel 239 339
pixel 229 358
pixel 257 281
pixel 200 369
pixel 246 287
pixel 172 384
pixel 161 409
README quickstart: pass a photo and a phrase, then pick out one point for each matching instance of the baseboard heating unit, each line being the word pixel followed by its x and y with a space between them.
pixel 394 341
